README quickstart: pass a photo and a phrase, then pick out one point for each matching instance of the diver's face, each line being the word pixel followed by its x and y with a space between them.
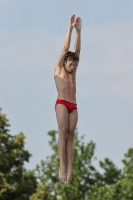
pixel 70 65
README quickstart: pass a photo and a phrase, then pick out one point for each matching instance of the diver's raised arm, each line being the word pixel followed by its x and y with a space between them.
pixel 66 42
pixel 77 44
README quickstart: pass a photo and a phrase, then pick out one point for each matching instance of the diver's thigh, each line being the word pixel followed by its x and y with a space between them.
pixel 61 115
pixel 72 120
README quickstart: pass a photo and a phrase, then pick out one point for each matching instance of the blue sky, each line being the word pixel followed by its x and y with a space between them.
pixel 32 34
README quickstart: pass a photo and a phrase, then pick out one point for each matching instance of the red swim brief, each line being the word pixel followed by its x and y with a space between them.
pixel 70 106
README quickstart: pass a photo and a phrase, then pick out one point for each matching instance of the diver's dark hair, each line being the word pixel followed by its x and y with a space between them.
pixel 72 56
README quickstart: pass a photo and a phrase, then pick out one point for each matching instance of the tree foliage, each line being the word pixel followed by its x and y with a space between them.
pixel 41 193
pixel 86 179
pixel 15 181
pixel 42 183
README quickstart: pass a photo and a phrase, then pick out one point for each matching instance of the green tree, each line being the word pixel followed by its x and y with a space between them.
pixel 128 162
pixel 86 179
pixel 122 187
pixel 111 173
pixel 15 182
pixel 121 190
pixel 41 193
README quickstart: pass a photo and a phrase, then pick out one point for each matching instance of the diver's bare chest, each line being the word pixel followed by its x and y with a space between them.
pixel 62 77
pixel 70 79
pixel 66 79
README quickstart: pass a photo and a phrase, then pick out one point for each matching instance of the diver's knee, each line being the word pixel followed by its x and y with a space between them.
pixel 63 130
pixel 70 135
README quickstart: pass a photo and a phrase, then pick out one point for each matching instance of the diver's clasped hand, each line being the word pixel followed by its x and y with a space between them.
pixel 77 23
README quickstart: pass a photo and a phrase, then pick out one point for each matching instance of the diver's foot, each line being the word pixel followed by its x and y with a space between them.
pixel 62 175
pixel 69 175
